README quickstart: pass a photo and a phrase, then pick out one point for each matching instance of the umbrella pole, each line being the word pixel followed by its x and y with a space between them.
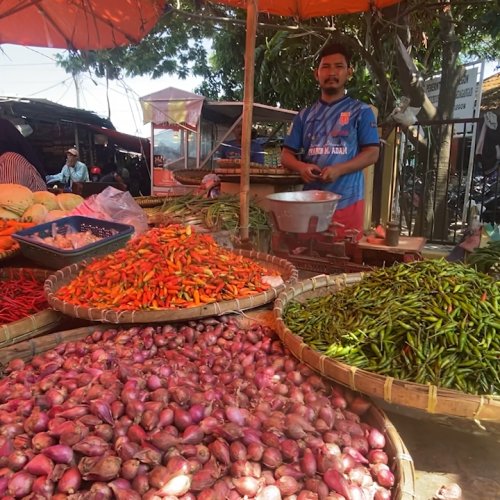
pixel 251 30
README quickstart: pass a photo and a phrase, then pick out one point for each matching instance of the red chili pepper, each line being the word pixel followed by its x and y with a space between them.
pixel 21 297
pixel 166 267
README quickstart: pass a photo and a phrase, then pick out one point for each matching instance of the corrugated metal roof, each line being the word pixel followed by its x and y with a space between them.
pixel 48 111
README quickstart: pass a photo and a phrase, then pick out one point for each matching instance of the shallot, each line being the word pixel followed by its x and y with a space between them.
pixel 203 410
pixel 176 486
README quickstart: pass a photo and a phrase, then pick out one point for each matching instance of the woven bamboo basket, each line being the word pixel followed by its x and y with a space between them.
pixel 29 348
pixel 255 170
pixel 11 252
pixel 471 412
pixel 190 176
pixel 287 271
pixel 149 201
pixel 400 459
pixel 33 325
pixel 235 163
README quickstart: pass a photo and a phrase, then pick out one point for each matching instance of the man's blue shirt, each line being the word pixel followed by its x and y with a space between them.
pixel 326 134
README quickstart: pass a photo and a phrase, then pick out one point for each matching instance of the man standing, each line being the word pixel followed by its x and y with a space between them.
pixel 332 141
pixel 74 170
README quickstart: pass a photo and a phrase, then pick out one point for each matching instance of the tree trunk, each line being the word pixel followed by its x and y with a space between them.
pixel 435 197
pixel 435 217
pixel 434 150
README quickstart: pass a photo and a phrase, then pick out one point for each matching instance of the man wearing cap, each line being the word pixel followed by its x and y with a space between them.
pixel 74 170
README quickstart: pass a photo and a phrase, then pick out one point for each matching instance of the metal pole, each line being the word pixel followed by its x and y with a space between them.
pixel 198 143
pixel 185 146
pixel 77 138
pixel 218 143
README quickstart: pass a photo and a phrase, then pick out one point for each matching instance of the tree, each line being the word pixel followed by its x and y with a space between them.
pixel 437 35
pixel 286 50
pixel 175 46
pixel 452 32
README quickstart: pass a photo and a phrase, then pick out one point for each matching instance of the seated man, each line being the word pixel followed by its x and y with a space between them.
pixel 72 171
pixel 232 149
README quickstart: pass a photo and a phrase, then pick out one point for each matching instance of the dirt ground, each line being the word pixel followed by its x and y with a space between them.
pixel 442 455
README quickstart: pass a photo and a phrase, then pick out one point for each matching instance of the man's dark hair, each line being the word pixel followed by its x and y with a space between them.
pixel 335 48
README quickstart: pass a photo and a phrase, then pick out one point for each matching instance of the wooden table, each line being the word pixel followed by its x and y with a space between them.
pixel 409 249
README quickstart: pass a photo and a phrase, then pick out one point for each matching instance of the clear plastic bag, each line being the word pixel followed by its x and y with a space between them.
pixel 114 205
pixel 404 114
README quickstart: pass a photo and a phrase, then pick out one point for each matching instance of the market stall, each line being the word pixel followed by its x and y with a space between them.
pixel 186 133
pixel 248 394
pixel 106 414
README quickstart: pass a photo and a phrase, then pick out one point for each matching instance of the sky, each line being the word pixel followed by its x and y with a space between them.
pixel 32 72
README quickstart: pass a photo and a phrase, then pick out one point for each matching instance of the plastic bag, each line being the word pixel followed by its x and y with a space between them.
pixel 116 206
pixel 404 114
pixel 210 185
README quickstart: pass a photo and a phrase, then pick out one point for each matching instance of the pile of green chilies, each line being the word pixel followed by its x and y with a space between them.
pixel 486 259
pixel 222 213
pixel 430 322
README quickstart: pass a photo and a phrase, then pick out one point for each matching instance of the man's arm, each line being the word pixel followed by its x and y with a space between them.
pixel 65 174
pixel 84 174
pixel 308 171
pixel 80 173
pixel 367 156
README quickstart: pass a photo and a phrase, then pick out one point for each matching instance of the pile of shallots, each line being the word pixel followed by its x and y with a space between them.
pixel 203 410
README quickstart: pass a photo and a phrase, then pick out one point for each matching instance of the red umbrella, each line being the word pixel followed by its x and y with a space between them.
pixel 77 24
pixel 303 9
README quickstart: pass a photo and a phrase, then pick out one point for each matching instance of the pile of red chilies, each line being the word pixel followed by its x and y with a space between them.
pixel 20 297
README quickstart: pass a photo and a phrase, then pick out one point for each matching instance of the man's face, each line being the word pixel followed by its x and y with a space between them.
pixel 332 73
pixel 71 159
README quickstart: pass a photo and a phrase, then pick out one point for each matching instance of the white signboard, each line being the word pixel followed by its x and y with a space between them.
pixel 465 96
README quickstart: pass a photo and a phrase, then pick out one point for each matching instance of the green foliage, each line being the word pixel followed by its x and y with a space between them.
pixel 476 28
pixel 175 46
pixel 285 50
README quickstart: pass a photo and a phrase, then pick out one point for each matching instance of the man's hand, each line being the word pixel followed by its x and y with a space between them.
pixel 309 172
pixel 367 156
pixel 331 174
